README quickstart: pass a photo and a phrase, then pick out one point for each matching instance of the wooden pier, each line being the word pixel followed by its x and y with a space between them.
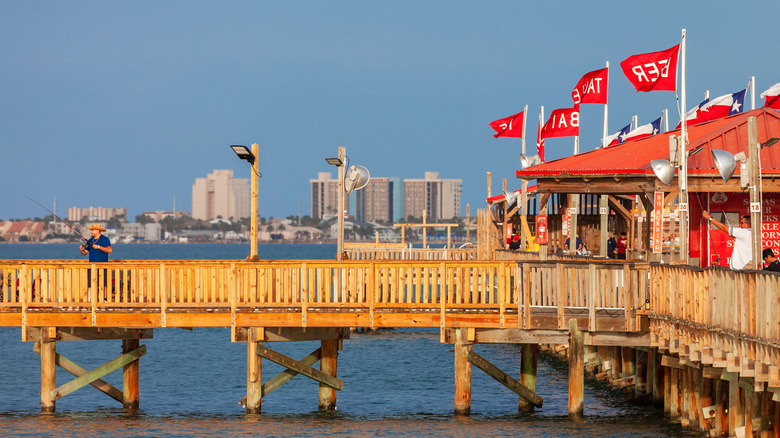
pixel 712 337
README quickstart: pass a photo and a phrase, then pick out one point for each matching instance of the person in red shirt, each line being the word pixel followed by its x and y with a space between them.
pixel 622 245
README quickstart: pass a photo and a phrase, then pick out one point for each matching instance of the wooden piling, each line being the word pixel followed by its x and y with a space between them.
pixel 528 362
pixel 462 373
pixel 130 373
pixel 576 370
pixel 48 372
pixel 328 364
pixel 254 372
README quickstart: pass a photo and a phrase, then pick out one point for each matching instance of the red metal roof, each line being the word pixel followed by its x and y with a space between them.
pixel 633 157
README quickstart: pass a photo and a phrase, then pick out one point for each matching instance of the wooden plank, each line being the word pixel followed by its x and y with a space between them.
pixel 98 372
pixel 505 379
pixel 293 364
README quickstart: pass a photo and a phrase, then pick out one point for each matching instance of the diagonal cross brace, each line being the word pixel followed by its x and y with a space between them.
pixel 288 374
pixel 505 379
pixel 73 368
pixel 301 368
pixel 98 372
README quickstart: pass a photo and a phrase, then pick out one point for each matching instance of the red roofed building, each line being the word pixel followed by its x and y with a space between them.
pixel 625 170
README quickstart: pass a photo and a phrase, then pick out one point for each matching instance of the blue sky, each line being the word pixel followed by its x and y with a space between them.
pixel 124 104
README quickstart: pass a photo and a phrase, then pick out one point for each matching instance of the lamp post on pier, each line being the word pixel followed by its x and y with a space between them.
pixel 251 157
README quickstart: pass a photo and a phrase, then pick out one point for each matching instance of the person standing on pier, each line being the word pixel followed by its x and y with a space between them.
pixel 98 247
pixel 622 246
pixel 772 263
pixel 742 254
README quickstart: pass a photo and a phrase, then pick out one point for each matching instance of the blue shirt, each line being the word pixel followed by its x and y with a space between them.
pixel 98 255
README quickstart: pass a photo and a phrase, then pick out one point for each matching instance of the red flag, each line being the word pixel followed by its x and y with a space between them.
pixel 511 126
pixel 592 88
pixel 540 143
pixel 652 71
pixel 772 96
pixel 563 122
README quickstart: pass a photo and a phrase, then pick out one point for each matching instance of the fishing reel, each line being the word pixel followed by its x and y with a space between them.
pixel 87 244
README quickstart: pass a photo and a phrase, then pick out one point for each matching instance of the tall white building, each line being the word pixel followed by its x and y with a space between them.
pixel 220 195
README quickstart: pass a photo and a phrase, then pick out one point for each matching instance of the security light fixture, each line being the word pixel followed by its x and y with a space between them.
pixel 334 161
pixel 243 153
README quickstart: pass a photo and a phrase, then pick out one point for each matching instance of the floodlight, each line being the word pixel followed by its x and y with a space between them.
pixel 769 143
pixel 726 162
pixel 663 170
pixel 356 178
pixel 527 161
pixel 334 161
pixel 243 153
pixel 511 199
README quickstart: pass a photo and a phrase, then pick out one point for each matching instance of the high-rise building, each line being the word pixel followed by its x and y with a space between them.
pixel 376 201
pixel 324 195
pixel 440 198
pixel 220 195
pixel 389 199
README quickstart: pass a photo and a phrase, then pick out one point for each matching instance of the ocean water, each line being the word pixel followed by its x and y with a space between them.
pixel 397 383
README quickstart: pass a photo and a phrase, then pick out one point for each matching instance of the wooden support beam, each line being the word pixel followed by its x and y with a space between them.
pixel 130 373
pixel 576 370
pixel 462 373
pixel 71 367
pixel 254 372
pixel 285 376
pixel 293 364
pixel 528 363
pixel 48 351
pixel 98 372
pixel 505 379
pixel 328 366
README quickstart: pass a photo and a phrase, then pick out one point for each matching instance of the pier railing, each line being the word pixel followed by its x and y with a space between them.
pixel 722 318
pixel 503 293
pixel 369 253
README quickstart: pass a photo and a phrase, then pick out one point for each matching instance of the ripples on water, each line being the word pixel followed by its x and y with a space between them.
pixel 397 383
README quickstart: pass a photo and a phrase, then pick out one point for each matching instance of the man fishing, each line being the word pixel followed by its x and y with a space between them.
pixel 98 247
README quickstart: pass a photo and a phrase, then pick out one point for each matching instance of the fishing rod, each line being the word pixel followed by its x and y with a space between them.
pixel 60 219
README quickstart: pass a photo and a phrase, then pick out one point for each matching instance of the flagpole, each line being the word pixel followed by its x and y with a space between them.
pixel 665 115
pixel 606 130
pixel 603 200
pixel 541 123
pixel 752 85
pixel 683 178
pixel 524 192
pixel 525 113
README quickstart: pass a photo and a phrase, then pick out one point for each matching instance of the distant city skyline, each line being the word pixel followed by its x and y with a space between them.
pixel 98 113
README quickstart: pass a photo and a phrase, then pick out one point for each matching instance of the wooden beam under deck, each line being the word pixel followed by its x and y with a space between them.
pixel 541 317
